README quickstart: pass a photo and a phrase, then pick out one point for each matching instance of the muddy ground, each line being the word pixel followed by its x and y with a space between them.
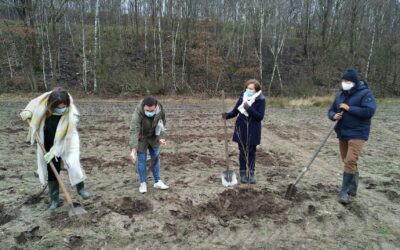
pixel 197 212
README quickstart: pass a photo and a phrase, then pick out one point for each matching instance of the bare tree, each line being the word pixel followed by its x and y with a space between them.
pixel 96 39
pixel 84 59
pixel 160 44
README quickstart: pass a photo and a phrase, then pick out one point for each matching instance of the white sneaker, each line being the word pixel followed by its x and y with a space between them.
pixel 143 187
pixel 160 185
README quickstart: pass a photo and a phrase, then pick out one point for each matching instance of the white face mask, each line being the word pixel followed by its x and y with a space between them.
pixel 346 86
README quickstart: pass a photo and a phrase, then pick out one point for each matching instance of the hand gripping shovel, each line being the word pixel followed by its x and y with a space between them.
pixel 228 177
pixel 291 189
pixel 73 211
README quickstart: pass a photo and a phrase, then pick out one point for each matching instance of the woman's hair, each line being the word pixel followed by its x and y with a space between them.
pixel 57 97
pixel 256 83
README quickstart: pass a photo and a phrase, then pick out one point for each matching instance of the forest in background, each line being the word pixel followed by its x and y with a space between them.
pixel 295 48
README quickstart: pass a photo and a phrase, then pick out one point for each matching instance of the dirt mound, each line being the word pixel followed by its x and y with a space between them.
pixel 244 203
pixel 130 206
pixel 270 159
pixel 7 215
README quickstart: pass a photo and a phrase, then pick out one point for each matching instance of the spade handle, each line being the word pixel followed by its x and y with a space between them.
pixel 53 168
pixel 225 132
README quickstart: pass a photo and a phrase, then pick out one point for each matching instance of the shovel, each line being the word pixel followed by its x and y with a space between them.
pixel 228 177
pixel 291 189
pixel 73 211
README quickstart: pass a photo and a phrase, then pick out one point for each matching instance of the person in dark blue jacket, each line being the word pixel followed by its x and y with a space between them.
pixel 251 108
pixel 353 109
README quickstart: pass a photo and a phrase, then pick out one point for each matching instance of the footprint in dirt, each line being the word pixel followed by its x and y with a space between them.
pixel 391 195
pixel 356 209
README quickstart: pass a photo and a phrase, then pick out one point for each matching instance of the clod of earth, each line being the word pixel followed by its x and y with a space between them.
pixel 244 203
pixel 130 206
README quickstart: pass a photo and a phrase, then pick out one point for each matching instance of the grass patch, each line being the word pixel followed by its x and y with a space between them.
pixel 286 102
pixel 388 101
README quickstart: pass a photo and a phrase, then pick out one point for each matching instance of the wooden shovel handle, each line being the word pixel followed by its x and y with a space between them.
pixel 53 168
pixel 225 132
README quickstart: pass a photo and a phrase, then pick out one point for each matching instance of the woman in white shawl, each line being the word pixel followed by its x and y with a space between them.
pixel 54 117
pixel 249 109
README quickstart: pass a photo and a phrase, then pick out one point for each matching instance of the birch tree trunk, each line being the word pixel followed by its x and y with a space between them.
pixel 70 31
pixel 48 43
pixel 155 53
pixel 96 31
pixel 43 57
pixel 260 44
pixel 173 57
pixel 161 51
pixel 145 45
pixel 370 49
pixel 84 60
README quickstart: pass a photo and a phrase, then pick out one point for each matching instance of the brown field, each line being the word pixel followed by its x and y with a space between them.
pixel 197 212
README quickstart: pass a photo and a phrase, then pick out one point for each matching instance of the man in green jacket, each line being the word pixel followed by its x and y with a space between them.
pixel 146 133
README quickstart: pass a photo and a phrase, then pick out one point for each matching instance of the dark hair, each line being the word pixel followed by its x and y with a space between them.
pixel 150 101
pixel 256 83
pixel 57 97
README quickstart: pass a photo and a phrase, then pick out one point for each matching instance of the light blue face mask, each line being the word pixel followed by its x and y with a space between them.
pixel 249 92
pixel 150 114
pixel 60 111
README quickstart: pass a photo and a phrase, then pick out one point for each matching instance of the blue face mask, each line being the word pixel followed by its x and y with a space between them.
pixel 150 114
pixel 249 92
pixel 60 110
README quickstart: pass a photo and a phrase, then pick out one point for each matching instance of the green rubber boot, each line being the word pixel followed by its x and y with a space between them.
pixel 82 191
pixel 353 185
pixel 243 178
pixel 54 192
pixel 252 179
pixel 343 195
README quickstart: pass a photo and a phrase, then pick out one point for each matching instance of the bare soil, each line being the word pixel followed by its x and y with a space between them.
pixel 197 212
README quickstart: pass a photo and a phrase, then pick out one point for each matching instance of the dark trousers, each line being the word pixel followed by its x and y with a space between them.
pixel 57 164
pixel 247 158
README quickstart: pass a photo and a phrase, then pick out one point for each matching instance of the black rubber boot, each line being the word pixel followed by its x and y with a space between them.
pixel 343 195
pixel 252 179
pixel 82 191
pixel 353 185
pixel 243 178
pixel 54 192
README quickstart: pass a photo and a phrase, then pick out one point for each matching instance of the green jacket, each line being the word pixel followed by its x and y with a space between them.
pixel 142 129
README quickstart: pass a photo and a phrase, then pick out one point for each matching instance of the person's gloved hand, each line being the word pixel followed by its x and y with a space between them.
pixel 224 115
pixel 26 115
pixel 48 157
pixel 344 106
pixel 246 106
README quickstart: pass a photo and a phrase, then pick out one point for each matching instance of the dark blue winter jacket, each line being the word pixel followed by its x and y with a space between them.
pixel 355 123
pixel 248 129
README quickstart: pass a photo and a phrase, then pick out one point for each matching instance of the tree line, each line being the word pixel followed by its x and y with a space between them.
pixel 295 48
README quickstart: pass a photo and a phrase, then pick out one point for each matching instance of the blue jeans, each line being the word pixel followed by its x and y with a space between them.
pixel 155 164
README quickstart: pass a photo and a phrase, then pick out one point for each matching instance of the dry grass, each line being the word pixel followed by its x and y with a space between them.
pixel 282 102
pixel 315 101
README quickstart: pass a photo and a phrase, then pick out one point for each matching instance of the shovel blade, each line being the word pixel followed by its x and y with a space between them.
pixel 290 192
pixel 228 178
pixel 76 211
